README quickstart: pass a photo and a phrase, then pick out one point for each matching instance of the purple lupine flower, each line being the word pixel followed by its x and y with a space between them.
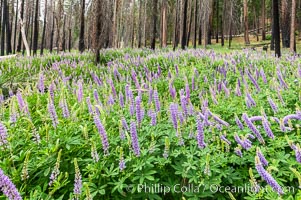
pixel 113 88
pixel 267 128
pixel 96 96
pixel 263 76
pixel 281 80
pixel 226 90
pixel 110 100
pixel 192 83
pixel 177 69
pixel 238 152
pixel 290 117
pixel 157 101
pixel 3 135
pixel 90 109
pixel 249 135
pixel 223 137
pixel 184 105
pixel 261 157
pixel 273 105
pixel 94 153
pixel 124 123
pixel 103 134
pixel 77 182
pixel 297 152
pixel 173 108
pixel 238 122
pixel 79 91
pixel 245 143
pixel 200 134
pixel 180 116
pixel 256 118
pixel 153 117
pixel 252 128
pixel 41 85
pixel 134 137
pixel 64 107
pixel 250 99
pixel 253 81
pixel 8 188
pixel 52 112
pixel 122 164
pixel 219 120
pixel 22 104
pixel 150 95
pixel 138 110
pixel 121 100
pixel 266 176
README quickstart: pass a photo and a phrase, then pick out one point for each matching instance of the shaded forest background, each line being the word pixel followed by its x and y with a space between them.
pixel 31 26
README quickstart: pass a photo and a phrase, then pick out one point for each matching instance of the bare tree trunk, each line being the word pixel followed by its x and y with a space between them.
pixel 52 33
pixel 175 43
pixel 293 24
pixel 140 24
pixel 98 25
pixel 255 24
pixel 276 28
pixel 15 33
pixel 246 33
pixel 133 24
pixel 184 23
pixel 195 23
pixel 164 23
pixel 144 26
pixel 44 29
pixel 217 20
pixel 189 25
pixel 7 27
pixel 36 29
pixel 3 28
pixel 285 21
pixel 81 43
pixel 153 42
pixel 23 30
pixel 230 25
pixel 200 25
pixel 223 22
pixel 263 20
pixel 20 34
pixel 64 34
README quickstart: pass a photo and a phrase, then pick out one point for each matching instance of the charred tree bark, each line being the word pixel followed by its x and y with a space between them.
pixel 81 44
pixel 276 28
pixel 36 29
pixel 293 27
pixel 189 25
pixel 195 22
pixel 164 23
pixel 154 31
pixel 175 43
pixel 184 23
pixel 15 33
pixel 246 33
pixel 44 29
pixel 263 20
pixel 20 34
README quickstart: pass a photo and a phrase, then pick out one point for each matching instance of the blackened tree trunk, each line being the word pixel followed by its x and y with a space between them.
pixel 154 32
pixel 276 28
pixel 175 43
pixel 285 23
pixel 217 20
pixel 44 29
pixel 189 25
pixel 195 22
pixel 139 24
pixel 15 33
pixel 20 34
pixel 81 45
pixel 184 36
pixel 263 20
pixel 223 23
pixel 3 28
pixel 200 25
pixel 98 25
pixel 36 29
pixel 7 27
pixel 52 32
pixel 164 23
